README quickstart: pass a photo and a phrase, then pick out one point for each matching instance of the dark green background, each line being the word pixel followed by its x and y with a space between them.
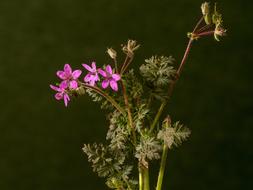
pixel 41 140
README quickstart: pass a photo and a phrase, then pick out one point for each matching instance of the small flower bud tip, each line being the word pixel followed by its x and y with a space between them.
pixel 112 53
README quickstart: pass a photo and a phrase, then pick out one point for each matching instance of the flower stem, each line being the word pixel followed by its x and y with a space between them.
pixel 157 117
pixel 116 65
pixel 140 178
pixel 187 51
pixel 162 168
pixel 208 33
pixel 171 86
pixel 106 96
pixel 126 63
pixel 198 24
pixel 146 178
pixel 129 114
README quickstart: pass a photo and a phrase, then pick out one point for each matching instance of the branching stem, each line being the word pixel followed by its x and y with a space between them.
pixel 179 70
pixel 106 96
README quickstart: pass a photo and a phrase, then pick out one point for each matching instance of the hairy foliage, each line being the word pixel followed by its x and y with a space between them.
pixel 134 87
pixel 121 180
pixel 158 71
pixel 147 150
pixel 174 135
pixel 102 161
pixel 140 114
pixel 118 132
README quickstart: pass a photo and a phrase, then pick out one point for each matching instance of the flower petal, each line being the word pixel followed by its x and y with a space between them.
pixel 76 74
pixel 55 88
pixel 93 65
pixel 102 72
pixel 66 99
pixel 67 70
pixel 73 84
pixel 87 67
pixel 92 82
pixel 109 69
pixel 61 75
pixel 114 85
pixel 87 77
pixel 96 77
pixel 63 85
pixel 116 77
pixel 105 84
pixel 58 96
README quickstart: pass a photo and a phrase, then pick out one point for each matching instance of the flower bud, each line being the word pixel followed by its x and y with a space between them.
pixel 205 8
pixel 112 53
pixel 167 122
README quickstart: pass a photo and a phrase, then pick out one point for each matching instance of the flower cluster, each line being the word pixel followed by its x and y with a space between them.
pixel 70 82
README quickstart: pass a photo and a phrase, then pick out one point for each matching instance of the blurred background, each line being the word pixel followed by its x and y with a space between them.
pixel 41 140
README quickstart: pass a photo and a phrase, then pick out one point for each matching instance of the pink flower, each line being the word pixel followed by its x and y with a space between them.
pixel 109 78
pixel 61 92
pixel 69 76
pixel 92 77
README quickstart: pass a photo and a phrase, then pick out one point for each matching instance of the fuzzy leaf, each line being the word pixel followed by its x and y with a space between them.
pixel 148 149
pixel 158 71
pixel 174 135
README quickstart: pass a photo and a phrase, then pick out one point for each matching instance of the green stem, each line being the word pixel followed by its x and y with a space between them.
pixel 162 168
pixel 171 87
pixel 160 111
pixel 179 70
pixel 140 178
pixel 106 96
pixel 146 178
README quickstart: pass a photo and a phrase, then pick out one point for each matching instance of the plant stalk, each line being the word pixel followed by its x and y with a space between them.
pixel 162 168
pixel 146 178
pixel 140 178
pixel 179 70
pixel 106 96
pixel 129 114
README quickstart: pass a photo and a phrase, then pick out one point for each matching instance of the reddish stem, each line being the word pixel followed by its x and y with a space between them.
pixel 208 33
pixel 187 51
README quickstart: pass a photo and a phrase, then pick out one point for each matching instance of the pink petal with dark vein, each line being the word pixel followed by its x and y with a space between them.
pixel 102 72
pixel 116 77
pixel 55 88
pixel 93 65
pixel 66 99
pixel 114 85
pixel 87 77
pixel 105 84
pixel 92 83
pixel 67 70
pixel 73 84
pixel 87 67
pixel 109 69
pixel 58 96
pixel 64 85
pixel 76 74
pixel 61 75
